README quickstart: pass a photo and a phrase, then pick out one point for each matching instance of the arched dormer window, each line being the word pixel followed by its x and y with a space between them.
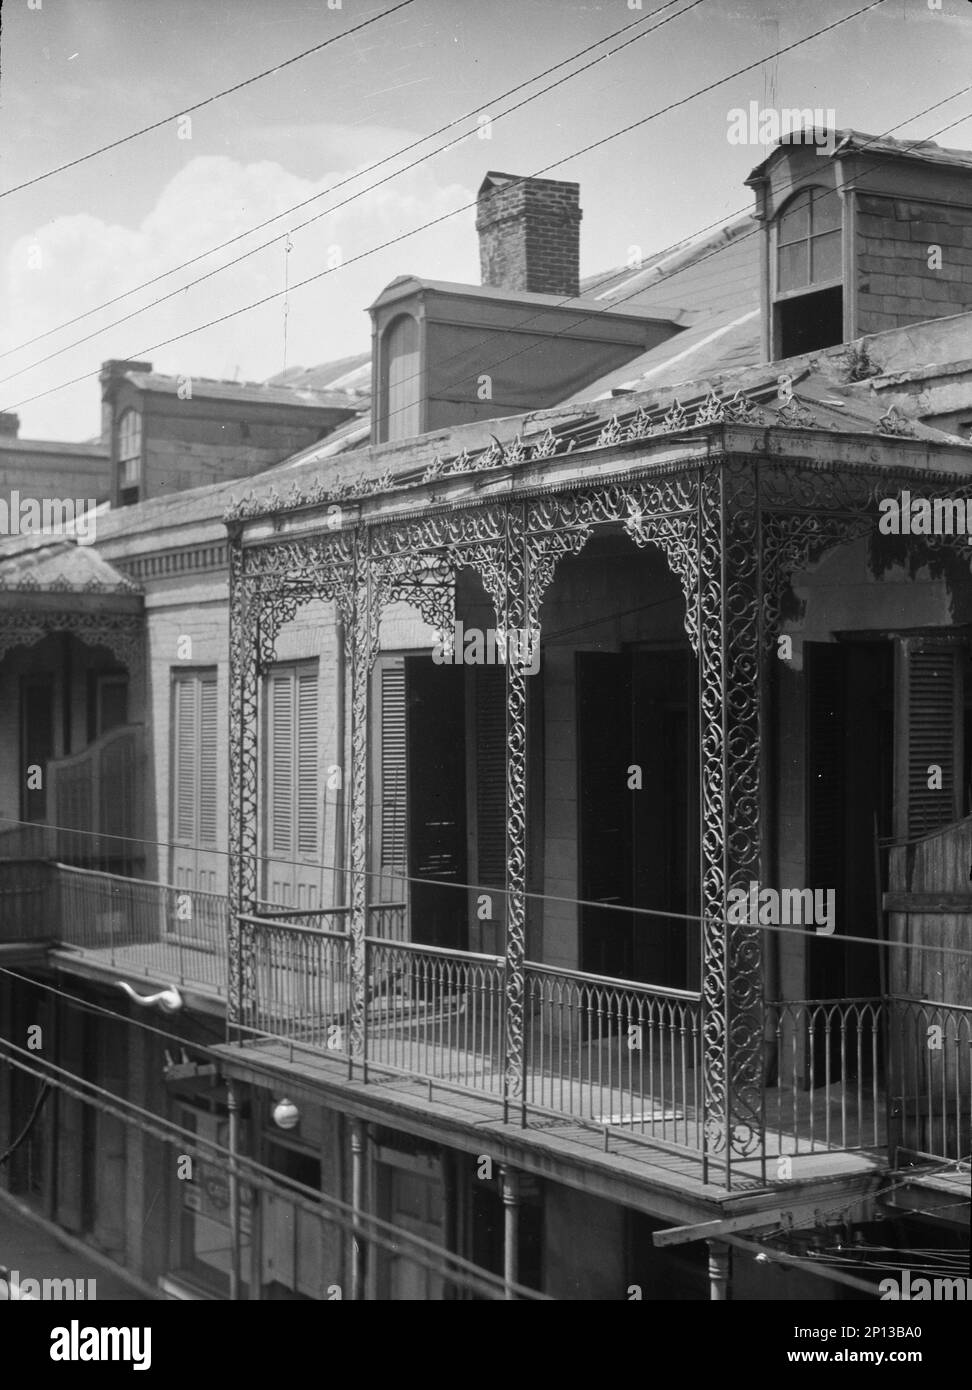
pixel 401 382
pixel 129 456
pixel 808 297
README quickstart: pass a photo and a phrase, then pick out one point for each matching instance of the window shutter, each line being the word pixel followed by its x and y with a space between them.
pixel 933 734
pixel 825 763
pixel 186 690
pixel 306 754
pixel 281 778
pixel 208 760
pixel 491 775
pixel 393 768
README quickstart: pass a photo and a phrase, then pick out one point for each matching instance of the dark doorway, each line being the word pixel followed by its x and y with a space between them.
pixel 639 814
pixel 435 698
pixel 850 760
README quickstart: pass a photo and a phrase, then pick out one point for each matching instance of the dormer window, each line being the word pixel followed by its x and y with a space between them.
pixel 129 457
pixel 400 411
pixel 808 297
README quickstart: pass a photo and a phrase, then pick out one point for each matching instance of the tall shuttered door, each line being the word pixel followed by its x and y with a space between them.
pixel 490 823
pixel 392 813
pixel 292 825
pixel 195 765
pixel 437 849
pixel 934 735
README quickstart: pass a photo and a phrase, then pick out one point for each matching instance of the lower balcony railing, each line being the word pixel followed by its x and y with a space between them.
pixel 612 1053
pixel 145 928
pixel 931 1079
pixel 824 1076
pixel 838 1075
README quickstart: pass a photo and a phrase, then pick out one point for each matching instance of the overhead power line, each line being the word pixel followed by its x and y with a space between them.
pixel 206 101
pixel 361 1224
pixel 483 106
pixel 691 918
pixel 465 207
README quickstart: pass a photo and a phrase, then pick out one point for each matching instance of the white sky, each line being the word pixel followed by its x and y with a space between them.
pixel 75 74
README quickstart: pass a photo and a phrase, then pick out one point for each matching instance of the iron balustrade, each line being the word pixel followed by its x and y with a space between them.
pixel 930 1079
pixel 825 1070
pixel 144 928
pixel 615 1053
pixel 435 1013
pixel 300 981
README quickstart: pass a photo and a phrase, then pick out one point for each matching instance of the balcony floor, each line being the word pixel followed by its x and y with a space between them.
pixel 653 1178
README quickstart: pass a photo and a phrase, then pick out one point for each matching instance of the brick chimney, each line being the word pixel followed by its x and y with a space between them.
pixel 529 234
pixel 9 424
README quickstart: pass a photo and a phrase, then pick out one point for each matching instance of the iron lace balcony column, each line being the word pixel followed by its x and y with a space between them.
pixel 731 698
pixel 243 776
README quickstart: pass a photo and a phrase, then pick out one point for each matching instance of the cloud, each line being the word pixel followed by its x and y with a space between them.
pixel 77 261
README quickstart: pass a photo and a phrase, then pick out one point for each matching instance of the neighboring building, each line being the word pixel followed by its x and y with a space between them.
pixel 486 926
pixel 40 468
pixel 172 433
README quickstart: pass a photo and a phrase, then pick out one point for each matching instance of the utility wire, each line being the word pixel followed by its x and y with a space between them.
pixel 39 1100
pixel 396 878
pixel 319 1204
pixel 444 217
pixel 662 279
pixel 358 174
pixel 206 101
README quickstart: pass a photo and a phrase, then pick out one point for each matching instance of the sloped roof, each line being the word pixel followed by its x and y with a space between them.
pixel 853 141
pixel 715 344
pixel 349 374
pixel 251 392
pixel 57 564
pixel 53 446
pixel 715 272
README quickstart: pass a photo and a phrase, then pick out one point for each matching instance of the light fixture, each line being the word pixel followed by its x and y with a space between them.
pixel 285 1114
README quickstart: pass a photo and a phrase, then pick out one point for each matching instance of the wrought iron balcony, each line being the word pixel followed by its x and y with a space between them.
pixel 620 1056
pixel 130 925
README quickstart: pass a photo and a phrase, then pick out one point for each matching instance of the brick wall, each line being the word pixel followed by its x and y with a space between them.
pixel 895 285
pixel 529 236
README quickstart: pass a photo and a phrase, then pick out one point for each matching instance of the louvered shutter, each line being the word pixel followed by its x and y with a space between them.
pixel 208 760
pixel 306 760
pixel 491 776
pixel 932 734
pixel 393 768
pixel 281 770
pixel 185 799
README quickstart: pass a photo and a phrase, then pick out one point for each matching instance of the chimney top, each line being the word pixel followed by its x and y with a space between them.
pixel 529 234
pixel 9 424
pixel 118 366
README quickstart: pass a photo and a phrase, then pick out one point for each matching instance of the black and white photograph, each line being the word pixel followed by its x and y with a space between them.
pixel 486 668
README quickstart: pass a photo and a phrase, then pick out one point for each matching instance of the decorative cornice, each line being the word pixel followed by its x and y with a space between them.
pixel 28 584
pixel 165 564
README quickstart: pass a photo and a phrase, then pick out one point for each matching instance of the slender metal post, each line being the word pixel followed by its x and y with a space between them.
pixel 357 1199
pixel 233 1107
pixel 718 1271
pixel 510 1188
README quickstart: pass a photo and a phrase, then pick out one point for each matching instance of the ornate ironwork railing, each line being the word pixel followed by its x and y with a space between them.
pixel 825 1076
pixel 149 929
pixel 615 1053
pixel 435 1013
pixel 930 1079
pixel 301 980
